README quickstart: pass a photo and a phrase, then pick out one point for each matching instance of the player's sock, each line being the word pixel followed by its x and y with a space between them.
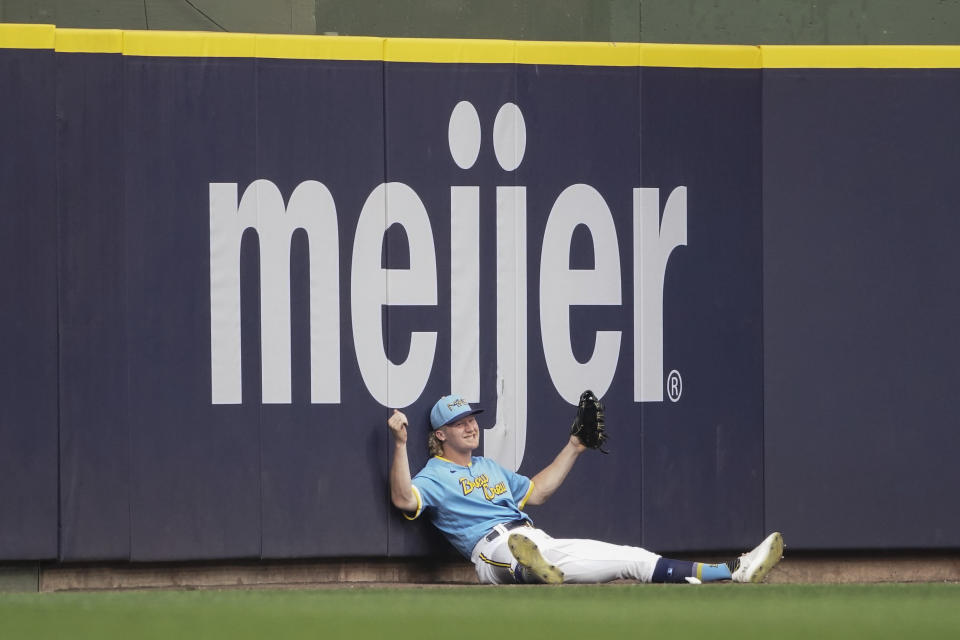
pixel 712 572
pixel 668 570
pixel 518 574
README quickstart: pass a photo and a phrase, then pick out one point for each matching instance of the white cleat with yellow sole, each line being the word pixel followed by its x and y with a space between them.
pixel 754 565
pixel 528 555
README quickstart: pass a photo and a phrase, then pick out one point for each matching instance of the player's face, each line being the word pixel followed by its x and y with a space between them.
pixel 463 435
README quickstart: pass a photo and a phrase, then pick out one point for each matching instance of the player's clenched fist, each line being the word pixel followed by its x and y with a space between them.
pixel 398 426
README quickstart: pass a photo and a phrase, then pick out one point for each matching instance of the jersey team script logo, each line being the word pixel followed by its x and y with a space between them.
pixel 482 483
pixel 312 207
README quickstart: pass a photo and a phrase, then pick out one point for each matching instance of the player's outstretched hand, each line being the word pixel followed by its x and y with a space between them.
pixel 575 442
pixel 589 426
pixel 398 426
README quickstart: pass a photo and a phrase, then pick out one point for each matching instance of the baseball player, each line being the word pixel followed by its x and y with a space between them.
pixel 478 505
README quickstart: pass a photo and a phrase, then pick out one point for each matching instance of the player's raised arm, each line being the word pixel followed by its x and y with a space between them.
pixel 549 480
pixel 401 488
pixel 588 432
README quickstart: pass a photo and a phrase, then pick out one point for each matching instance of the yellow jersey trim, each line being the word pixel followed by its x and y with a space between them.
pixel 466 51
pixel 419 510
pixel 452 462
pixel 527 496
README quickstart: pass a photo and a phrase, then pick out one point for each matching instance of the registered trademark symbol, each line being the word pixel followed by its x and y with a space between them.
pixel 674 385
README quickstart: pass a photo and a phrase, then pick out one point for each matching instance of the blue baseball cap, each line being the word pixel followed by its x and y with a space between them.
pixel 449 409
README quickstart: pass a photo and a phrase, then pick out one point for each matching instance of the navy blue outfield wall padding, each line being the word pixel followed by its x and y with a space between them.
pixel 322 478
pixel 223 273
pixel 195 467
pixel 28 312
pixel 94 423
pixel 861 305
pixel 703 455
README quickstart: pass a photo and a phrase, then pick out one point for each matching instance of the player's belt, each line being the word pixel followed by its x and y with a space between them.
pixel 506 527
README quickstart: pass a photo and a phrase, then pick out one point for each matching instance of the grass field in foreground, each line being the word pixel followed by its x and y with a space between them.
pixel 584 612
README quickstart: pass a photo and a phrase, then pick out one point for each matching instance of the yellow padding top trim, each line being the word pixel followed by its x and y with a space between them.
pixel 604 54
pixel 27 36
pixel 702 56
pixel 189 44
pixel 230 45
pixel 449 51
pixel 89 40
pixel 860 57
pixel 319 47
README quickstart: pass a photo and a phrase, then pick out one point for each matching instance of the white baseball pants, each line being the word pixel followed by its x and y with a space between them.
pixel 582 561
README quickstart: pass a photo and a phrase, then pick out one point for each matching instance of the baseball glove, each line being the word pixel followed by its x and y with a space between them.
pixel 588 425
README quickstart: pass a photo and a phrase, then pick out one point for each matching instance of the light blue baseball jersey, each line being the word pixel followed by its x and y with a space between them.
pixel 466 502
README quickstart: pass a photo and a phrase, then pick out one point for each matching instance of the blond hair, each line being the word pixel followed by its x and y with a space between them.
pixel 434 446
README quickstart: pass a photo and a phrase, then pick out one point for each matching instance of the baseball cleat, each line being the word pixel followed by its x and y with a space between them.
pixel 755 565
pixel 528 554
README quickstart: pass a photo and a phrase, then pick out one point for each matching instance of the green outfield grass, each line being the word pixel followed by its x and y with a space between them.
pixel 584 612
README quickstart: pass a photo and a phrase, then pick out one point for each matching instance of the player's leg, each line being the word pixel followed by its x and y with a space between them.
pixel 495 564
pixel 493 572
pixel 670 570
pixel 752 566
pixel 590 561
pixel 529 564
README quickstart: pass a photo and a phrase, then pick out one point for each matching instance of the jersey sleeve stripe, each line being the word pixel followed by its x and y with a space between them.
pixel 416 493
pixel 527 496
